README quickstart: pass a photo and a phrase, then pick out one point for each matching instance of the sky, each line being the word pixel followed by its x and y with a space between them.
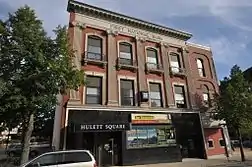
pixel 224 25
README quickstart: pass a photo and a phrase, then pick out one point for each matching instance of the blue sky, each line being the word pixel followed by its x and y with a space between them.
pixel 224 25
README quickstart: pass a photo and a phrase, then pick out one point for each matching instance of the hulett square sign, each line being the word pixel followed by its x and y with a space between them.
pixel 102 127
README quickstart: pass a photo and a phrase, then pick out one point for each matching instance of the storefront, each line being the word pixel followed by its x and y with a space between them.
pixel 124 138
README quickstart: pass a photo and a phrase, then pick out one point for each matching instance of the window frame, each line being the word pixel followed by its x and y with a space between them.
pixel 223 141
pixel 184 94
pixel 150 64
pixel 161 94
pixel 99 55
pixel 133 92
pixel 131 60
pixel 173 68
pixel 212 142
pixel 101 92
pixel 201 70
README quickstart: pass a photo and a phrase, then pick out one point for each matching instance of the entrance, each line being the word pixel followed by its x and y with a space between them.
pixel 107 148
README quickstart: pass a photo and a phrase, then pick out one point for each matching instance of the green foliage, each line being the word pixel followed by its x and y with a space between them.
pixel 33 68
pixel 234 102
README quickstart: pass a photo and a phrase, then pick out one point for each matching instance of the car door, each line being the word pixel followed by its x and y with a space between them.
pixel 75 159
pixel 46 160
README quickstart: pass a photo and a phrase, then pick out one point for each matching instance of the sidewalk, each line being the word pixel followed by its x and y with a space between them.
pixel 220 161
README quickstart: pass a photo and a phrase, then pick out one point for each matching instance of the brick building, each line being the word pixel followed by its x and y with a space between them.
pixel 145 89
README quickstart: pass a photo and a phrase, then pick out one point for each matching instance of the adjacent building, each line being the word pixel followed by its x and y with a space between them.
pixel 146 96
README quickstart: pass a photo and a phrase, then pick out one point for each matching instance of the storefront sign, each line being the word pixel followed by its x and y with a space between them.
pixel 150 118
pixel 102 127
pixel 134 32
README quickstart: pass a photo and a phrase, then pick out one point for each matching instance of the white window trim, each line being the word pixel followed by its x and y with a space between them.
pixel 210 148
pixel 96 74
pixel 185 90
pixel 132 49
pixel 162 91
pixel 151 47
pixel 220 144
pixel 134 79
pixel 74 95
pixel 103 42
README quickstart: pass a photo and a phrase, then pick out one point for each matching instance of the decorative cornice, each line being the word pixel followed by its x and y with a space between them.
pixel 78 24
pixel 74 6
pixel 111 32
pixel 141 39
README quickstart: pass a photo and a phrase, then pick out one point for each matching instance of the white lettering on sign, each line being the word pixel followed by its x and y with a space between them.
pixel 103 127
pixel 134 32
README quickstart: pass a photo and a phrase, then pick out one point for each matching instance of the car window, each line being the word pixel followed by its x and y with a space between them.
pixel 74 157
pixel 45 160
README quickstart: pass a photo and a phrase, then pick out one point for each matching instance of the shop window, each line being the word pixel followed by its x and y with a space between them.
pixel 93 90
pixel 155 95
pixel 94 48
pixel 175 64
pixel 125 54
pixel 180 96
pixel 150 136
pixel 210 143
pixel 201 69
pixel 152 58
pixel 222 143
pixel 127 92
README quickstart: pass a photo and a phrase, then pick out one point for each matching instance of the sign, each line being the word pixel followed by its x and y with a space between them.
pixel 134 32
pixel 151 118
pixel 102 127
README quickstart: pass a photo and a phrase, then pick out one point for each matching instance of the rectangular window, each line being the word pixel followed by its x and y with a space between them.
pixel 152 58
pixel 150 136
pixel 210 143
pixel 93 90
pixel 94 50
pixel 127 92
pixel 155 95
pixel 180 96
pixel 222 143
pixel 175 65
pixel 125 53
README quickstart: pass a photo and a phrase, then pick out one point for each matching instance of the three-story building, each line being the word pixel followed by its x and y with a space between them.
pixel 145 88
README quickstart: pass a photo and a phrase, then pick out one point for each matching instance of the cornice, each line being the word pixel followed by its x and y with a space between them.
pixel 82 8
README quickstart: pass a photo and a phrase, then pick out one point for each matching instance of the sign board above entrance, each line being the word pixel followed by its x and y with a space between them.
pixel 102 127
pixel 151 118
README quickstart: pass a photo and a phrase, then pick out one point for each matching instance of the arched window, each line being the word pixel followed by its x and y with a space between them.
pixel 175 63
pixel 205 94
pixel 201 69
pixel 125 53
pixel 94 47
pixel 152 58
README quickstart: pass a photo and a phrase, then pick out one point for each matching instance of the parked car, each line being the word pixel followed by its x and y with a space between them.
pixel 70 158
pixel 15 150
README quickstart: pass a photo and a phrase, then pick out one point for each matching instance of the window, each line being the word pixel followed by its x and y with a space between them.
pixel 200 68
pixel 46 160
pixel 205 94
pixel 150 136
pixel 175 65
pixel 94 48
pixel 125 54
pixel 127 92
pixel 180 96
pixel 222 143
pixel 93 90
pixel 155 95
pixel 152 58
pixel 73 157
pixel 210 143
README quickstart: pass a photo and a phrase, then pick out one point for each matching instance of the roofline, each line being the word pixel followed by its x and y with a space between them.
pixel 208 48
pixel 83 8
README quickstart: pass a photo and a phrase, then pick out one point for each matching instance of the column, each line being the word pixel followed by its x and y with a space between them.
pixel 112 83
pixel 141 78
pixel 189 78
pixel 167 79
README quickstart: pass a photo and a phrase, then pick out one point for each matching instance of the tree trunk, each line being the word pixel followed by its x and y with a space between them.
pixel 27 138
pixel 241 146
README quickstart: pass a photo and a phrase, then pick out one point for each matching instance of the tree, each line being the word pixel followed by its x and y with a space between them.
pixel 234 102
pixel 34 68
